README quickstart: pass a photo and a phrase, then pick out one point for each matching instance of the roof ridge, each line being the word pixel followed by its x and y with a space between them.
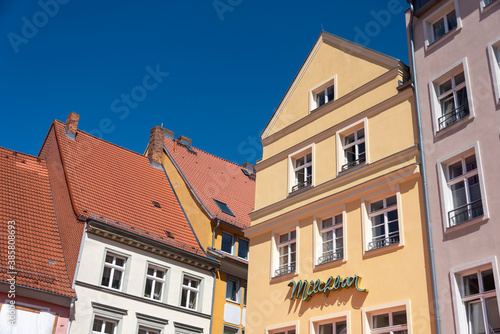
pixel 199 149
pixel 103 140
pixel 25 154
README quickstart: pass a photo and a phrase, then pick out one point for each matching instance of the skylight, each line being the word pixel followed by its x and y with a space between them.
pixel 224 208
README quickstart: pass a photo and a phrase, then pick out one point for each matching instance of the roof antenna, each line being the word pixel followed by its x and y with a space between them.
pixel 162 124
pixel 322 29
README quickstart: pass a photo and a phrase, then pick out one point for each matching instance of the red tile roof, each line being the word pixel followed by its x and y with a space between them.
pixel 212 178
pixel 112 184
pixel 25 198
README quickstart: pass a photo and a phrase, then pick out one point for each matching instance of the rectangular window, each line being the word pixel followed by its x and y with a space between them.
pixel 190 291
pixel 452 96
pixel 324 96
pixel 144 330
pixel 103 326
pixel 464 189
pixel 230 330
pixel 332 239
pixel 232 289
pixel 286 253
pixel 444 25
pixel 155 281
pixel 339 327
pixel 244 292
pixel 242 248
pixel 302 169
pixel 394 322
pixel 494 57
pixel 384 222
pixel 227 243
pixel 114 268
pixel 353 146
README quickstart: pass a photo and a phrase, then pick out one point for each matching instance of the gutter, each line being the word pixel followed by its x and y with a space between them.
pixel 424 173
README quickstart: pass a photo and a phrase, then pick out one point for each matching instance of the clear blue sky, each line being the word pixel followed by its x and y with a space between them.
pixel 220 67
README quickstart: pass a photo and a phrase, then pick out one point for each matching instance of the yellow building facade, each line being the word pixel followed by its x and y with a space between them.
pixel 338 234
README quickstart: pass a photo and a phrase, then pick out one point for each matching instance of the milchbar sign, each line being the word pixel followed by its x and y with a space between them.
pixel 305 289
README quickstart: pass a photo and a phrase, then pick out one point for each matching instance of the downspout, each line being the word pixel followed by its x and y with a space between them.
pixel 213 298
pixel 213 235
pixel 424 173
pixel 73 300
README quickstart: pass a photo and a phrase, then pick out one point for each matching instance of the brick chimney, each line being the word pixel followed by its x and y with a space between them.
pixel 183 140
pixel 249 167
pixel 155 146
pixel 72 124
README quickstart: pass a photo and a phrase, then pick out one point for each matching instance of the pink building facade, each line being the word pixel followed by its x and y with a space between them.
pixel 457 56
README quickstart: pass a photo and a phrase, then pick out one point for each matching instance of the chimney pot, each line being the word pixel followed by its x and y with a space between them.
pixel 72 124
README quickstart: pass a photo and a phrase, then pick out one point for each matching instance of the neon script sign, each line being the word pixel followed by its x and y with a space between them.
pixel 305 289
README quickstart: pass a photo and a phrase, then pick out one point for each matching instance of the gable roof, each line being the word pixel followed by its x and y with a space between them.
pixel 343 44
pixel 26 199
pixel 212 178
pixel 116 186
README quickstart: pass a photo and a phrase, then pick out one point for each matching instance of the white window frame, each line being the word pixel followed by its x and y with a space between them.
pixel 148 330
pixel 367 222
pixel 190 290
pixel 318 239
pixel 155 280
pixel 113 267
pixel 456 275
pixel 292 169
pixel 322 87
pixel 494 57
pixel 341 134
pixel 108 313
pixel 445 194
pixel 104 321
pixel 315 322
pixel 238 289
pixel 275 255
pixel 485 7
pixel 440 13
pixel 286 327
pixel 436 108
pixel 369 312
pixel 232 242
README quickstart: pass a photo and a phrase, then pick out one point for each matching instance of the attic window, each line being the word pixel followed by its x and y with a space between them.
pixel 170 234
pixel 224 208
pixel 52 261
pixel 247 173
pixel 156 204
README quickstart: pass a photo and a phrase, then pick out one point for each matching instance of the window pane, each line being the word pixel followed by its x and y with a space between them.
pixel 185 281
pixel 192 300
pixel 330 93
pixel 444 87
pixel 184 297
pixel 283 238
pixel 151 271
pixel 475 315
pixel 308 157
pixel 300 176
pixel 231 290
pixel 462 98
pixel 452 20
pixel 243 248
pixel 157 292
pixel 471 285
pixel 147 290
pixel 459 78
pixel 361 149
pixel 350 154
pixel 106 276
pixel 338 233
pixel 448 105
pixel 361 134
pixel 438 29
pixel 377 205
pixel 326 329
pixel 379 231
pixel 381 320
pixel 391 201
pixel 292 235
pixel 109 259
pixel 474 191
pixel 399 318
pixel 455 170
pixel 116 279
pixel 119 262
pixel 327 247
pixel 492 313
pixel 227 243
pixel 488 280
pixel 326 223
pixel 97 325
pixel 194 284
pixel 320 99
pixel 341 327
pixel 349 139
pixel 458 194
pixel 109 327
pixel 470 163
pixel 160 273
pixel 338 219
pixel 299 162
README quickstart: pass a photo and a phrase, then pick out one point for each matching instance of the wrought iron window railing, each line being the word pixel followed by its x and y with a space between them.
pixel 453 116
pixel 465 213
pixel 301 185
pixel 383 242
pixel 331 256
pixel 351 164
pixel 285 269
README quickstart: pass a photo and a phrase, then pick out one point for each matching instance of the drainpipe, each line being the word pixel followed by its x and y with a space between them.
pixel 213 235
pixel 213 298
pixel 424 173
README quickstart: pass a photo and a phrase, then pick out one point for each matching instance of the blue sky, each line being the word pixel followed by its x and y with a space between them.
pixel 213 71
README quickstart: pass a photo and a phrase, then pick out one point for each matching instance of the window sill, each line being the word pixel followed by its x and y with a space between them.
pixel 328 265
pixel 382 250
pixel 430 46
pixel 301 190
pixel 478 220
pixel 233 302
pixel 284 277
pixel 352 169
pixel 455 125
